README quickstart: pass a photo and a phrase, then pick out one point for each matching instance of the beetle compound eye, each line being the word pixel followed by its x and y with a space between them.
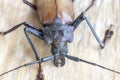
pixel 54 50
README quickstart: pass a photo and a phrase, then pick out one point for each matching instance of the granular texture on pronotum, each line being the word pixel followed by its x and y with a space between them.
pixel 57 19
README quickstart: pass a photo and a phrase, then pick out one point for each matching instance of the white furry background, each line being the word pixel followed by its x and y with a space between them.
pixel 15 50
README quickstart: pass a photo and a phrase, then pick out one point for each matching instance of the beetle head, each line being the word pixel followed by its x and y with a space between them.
pixel 59 49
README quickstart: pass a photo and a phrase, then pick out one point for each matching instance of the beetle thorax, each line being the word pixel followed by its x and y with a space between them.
pixel 58 33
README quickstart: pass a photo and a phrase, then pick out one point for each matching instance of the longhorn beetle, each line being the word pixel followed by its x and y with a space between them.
pixel 56 16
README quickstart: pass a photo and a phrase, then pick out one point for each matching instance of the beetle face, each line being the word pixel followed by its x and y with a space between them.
pixel 59 49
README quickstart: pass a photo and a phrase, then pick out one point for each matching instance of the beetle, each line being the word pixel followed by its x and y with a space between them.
pixel 59 26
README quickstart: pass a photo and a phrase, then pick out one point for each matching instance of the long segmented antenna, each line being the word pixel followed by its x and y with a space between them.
pixel 27 64
pixel 76 59
pixel 31 63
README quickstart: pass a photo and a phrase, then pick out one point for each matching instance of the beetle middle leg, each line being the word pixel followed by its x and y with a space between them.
pixel 30 4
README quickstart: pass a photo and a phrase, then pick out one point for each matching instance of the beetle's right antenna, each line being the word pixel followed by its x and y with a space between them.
pixel 48 58
pixel 76 59
pixel 93 2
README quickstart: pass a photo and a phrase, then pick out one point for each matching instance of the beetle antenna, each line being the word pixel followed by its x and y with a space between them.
pixel 30 63
pixel 12 70
pixel 76 59
pixel 93 1
pixel 27 64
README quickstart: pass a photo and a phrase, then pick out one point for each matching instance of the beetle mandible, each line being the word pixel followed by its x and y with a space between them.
pixel 56 16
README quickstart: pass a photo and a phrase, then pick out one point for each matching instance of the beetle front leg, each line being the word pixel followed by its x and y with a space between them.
pixel 30 4
pixel 108 34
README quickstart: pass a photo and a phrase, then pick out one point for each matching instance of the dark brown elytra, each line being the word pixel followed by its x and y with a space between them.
pixel 56 16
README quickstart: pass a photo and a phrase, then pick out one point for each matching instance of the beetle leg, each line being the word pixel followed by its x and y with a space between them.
pixel 29 28
pixel 31 63
pixel 12 29
pixel 38 34
pixel 108 34
pixel 80 18
pixel 77 21
pixel 17 26
pixel 94 33
pixel 30 4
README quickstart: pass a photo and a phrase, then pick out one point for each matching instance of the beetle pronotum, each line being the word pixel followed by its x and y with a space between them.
pixel 58 30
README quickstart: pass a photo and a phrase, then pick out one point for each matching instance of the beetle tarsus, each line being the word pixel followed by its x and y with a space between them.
pixel 40 75
pixel 108 34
